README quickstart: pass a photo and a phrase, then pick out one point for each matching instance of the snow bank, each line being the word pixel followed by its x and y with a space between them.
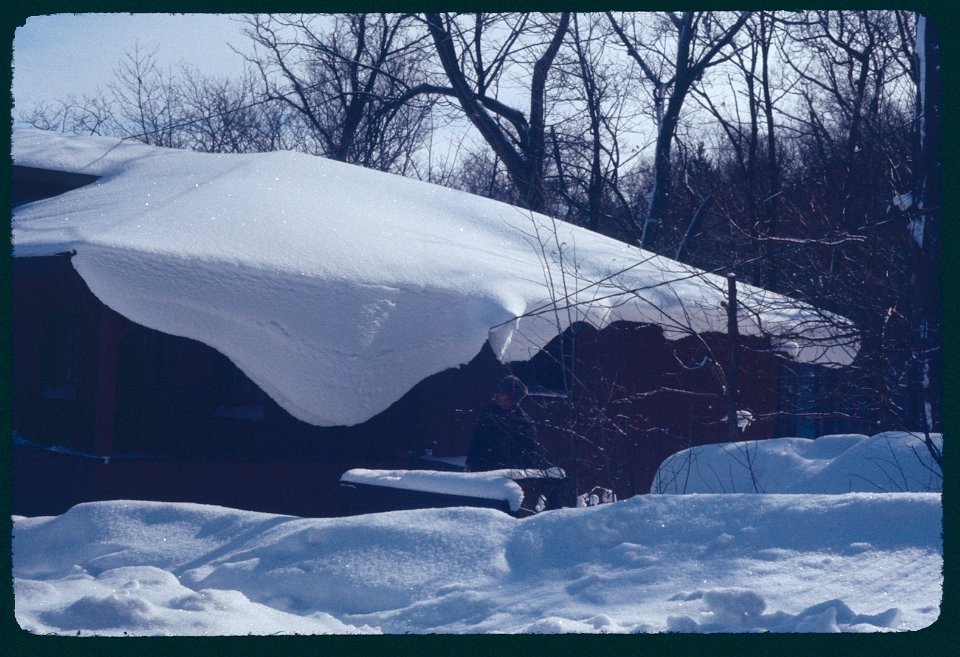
pixel 691 563
pixel 336 289
pixel 887 462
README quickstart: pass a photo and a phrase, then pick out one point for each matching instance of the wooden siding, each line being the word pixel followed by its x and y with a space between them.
pixel 214 438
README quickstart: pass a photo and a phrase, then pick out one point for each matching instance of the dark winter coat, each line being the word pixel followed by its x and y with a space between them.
pixel 503 439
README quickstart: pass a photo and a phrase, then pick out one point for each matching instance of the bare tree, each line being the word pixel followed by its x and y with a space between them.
pixel 595 115
pixel 745 112
pixel 850 157
pixel 850 67
pixel 480 172
pixel 85 115
pixel 148 100
pixel 223 114
pixel 487 45
pixel 811 193
pixel 673 52
pixel 341 74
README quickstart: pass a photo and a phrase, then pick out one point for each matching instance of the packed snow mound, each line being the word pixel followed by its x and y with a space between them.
pixel 691 563
pixel 489 485
pixel 336 288
pixel 893 461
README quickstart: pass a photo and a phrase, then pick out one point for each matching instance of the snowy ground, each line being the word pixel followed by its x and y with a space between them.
pixel 853 562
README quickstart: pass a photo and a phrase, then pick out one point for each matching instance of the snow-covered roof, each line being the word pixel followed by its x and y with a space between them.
pixel 336 288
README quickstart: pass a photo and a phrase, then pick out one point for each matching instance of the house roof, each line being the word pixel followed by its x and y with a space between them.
pixel 337 288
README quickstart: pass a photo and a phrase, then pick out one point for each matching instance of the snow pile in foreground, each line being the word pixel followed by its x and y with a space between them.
pixel 893 461
pixel 695 563
pixel 814 562
pixel 336 288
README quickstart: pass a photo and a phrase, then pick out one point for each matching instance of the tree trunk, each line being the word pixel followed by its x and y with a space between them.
pixel 525 163
pixel 924 237
pixel 662 169
pixel 771 214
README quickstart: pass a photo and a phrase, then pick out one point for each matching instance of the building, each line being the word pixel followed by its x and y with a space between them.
pixel 185 330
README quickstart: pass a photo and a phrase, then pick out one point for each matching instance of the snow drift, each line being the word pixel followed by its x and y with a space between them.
pixel 336 289
pixel 893 461
pixel 694 563
pixel 742 562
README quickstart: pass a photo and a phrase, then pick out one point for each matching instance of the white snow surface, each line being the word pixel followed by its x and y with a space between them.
pixel 336 288
pixel 491 484
pixel 709 562
pixel 892 461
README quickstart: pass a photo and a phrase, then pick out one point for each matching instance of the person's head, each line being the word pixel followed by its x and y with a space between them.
pixel 509 392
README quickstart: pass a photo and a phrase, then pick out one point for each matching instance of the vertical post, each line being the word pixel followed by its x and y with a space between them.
pixel 733 363
pixel 568 362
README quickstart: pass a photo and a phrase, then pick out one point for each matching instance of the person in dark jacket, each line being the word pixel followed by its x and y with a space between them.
pixel 505 436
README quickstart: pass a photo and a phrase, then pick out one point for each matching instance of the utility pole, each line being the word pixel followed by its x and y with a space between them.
pixel 733 363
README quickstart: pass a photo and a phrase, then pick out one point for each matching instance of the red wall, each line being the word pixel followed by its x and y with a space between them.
pixel 139 390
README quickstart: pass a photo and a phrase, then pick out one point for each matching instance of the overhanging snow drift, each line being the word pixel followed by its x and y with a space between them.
pixel 336 288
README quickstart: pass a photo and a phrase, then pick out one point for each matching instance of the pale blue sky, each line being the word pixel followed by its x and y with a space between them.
pixel 55 56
